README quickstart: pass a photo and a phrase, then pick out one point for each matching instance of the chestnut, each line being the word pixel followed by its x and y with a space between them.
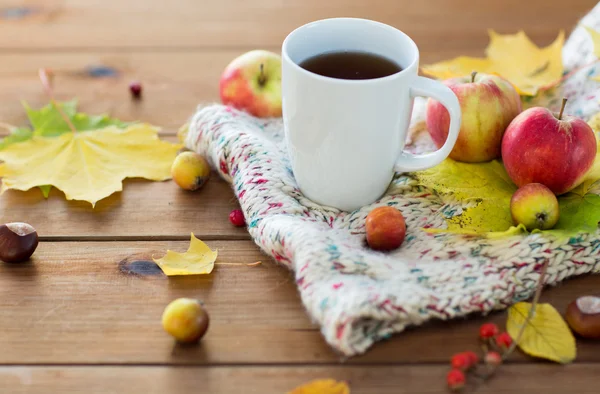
pixel 18 241
pixel 583 316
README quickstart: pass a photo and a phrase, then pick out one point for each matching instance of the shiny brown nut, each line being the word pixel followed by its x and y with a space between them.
pixel 583 316
pixel 18 241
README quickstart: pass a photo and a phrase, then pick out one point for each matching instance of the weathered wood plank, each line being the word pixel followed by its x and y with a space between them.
pixel 436 25
pixel 74 304
pixel 174 84
pixel 418 379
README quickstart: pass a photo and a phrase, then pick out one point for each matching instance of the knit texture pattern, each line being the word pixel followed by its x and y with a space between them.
pixel 359 296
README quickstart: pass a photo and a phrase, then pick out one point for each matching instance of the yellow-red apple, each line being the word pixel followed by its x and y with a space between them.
pixel 548 148
pixel 534 206
pixel 488 104
pixel 252 83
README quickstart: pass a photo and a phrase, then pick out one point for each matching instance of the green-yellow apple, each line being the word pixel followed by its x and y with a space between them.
pixel 548 148
pixel 534 206
pixel 252 83
pixel 488 104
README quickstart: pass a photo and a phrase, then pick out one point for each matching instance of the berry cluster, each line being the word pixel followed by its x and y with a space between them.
pixel 495 345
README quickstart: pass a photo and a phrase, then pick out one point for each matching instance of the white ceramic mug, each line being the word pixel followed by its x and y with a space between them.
pixel 346 137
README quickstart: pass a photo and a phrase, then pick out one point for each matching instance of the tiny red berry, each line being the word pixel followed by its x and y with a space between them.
pixel 236 217
pixel 461 361
pixel 493 358
pixel 488 330
pixel 136 89
pixel 473 358
pixel 456 380
pixel 504 340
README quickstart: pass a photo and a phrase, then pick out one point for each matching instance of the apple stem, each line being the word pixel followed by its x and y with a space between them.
pixel 473 76
pixel 562 108
pixel 261 78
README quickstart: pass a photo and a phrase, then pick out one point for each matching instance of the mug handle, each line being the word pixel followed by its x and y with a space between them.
pixel 428 87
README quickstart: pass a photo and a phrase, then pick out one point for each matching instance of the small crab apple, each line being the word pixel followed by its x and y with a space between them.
pixel 236 217
pixel 186 320
pixel 473 358
pixel 456 380
pixel 190 171
pixel 493 358
pixel 461 361
pixel 385 227
pixel 135 88
pixel 488 330
pixel 535 206
pixel 503 341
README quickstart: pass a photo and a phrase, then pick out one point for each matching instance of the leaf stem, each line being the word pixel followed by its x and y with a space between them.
pixel 536 298
pixel 47 84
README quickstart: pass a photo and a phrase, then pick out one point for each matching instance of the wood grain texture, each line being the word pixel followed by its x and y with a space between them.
pixel 435 24
pixel 174 84
pixel 81 319
pixel 76 304
pixel 521 379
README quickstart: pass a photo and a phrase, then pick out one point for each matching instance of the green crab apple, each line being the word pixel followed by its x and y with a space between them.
pixel 535 206
pixel 488 104
pixel 252 83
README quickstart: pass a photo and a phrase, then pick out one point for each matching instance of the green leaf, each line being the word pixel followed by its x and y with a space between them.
pixel 577 214
pixel 46 190
pixel 18 134
pixel 48 122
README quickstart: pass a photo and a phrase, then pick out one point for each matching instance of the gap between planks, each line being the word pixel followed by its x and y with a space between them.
pixel 140 238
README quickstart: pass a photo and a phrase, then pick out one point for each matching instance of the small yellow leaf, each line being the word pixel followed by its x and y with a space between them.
pixel 199 259
pixel 90 165
pixel 512 56
pixel 322 386
pixel 546 335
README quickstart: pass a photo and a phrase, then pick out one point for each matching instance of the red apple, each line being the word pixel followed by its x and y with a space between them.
pixel 252 83
pixel 488 104
pixel 548 148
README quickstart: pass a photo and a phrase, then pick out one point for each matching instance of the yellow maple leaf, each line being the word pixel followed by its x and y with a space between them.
pixel 88 166
pixel 512 56
pixel 546 335
pixel 199 259
pixel 322 386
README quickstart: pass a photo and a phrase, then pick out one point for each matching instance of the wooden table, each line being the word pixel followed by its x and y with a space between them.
pixel 77 320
